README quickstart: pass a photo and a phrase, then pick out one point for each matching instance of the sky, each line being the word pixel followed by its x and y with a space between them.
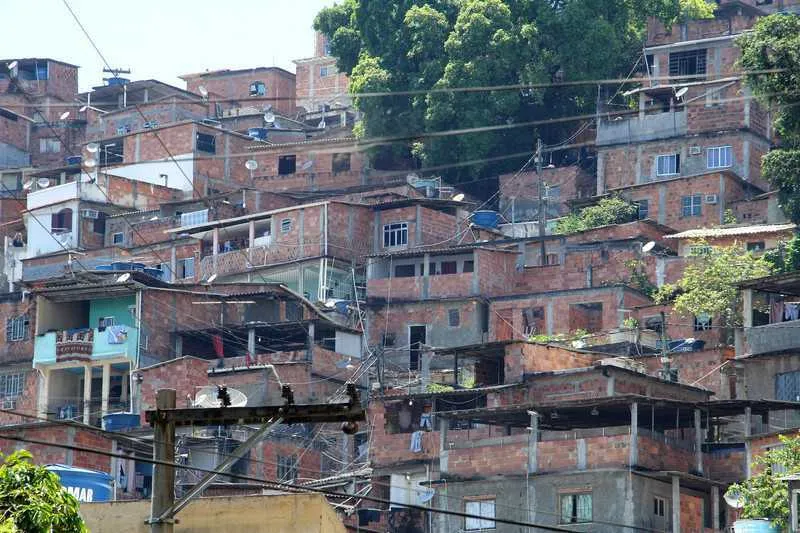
pixel 161 39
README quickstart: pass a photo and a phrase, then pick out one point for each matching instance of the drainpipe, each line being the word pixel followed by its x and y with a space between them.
pixel 135 365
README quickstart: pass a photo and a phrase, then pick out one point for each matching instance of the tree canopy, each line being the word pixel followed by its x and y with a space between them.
pixel 772 53
pixel 32 499
pixel 410 45
pixel 607 211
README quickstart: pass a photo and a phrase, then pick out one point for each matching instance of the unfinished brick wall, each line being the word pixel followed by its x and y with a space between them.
pixel 496 271
pixel 186 375
pixel 61 434
pixel 163 112
pixel 15 130
pixel 659 34
pixel 235 84
pixel 314 89
pixel 349 231
pixel 17 351
pixel 572 182
pixel 27 402
pixel 526 358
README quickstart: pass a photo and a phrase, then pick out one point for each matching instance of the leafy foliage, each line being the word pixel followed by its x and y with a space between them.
pixel 765 495
pixel 709 284
pixel 438 387
pixel 774 46
pixel 785 257
pixel 33 499
pixel 608 211
pixel 407 45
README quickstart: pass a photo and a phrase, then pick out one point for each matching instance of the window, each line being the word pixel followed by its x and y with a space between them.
pixel 49 145
pixel 118 238
pixel 692 206
pixel 659 506
pixel 690 63
pixel 185 268
pixel 166 271
pixel 469 266
pixel 286 225
pixel 644 209
pixel 650 64
pixel 99 223
pixel 449 267
pixel 12 385
pixel 787 386
pixel 395 234
pixel 404 271
pixel 326 46
pixel 112 152
pixel 576 508
pixel 702 322
pixel 194 217
pixel 287 164
pixel 719 157
pixel 257 88
pixel 482 508
pixel 105 322
pixel 453 318
pixel 341 163
pixel 287 467
pixel 653 323
pixel 61 222
pixel 323 72
pixel 17 328
pixel 755 246
pixel 206 143
pixel 699 249
pixel 668 165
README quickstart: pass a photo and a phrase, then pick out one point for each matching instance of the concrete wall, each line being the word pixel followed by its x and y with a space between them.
pixel 256 514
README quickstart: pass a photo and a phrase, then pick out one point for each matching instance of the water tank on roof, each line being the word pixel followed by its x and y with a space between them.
pixel 154 272
pixel 85 485
pixel 486 218
pixel 120 421
pixel 73 160
pixel 116 80
pixel 120 265
pixel 258 133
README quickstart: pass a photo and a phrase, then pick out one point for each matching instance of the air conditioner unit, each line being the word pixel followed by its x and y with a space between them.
pixel 711 198
pixel 90 213
pixel 695 150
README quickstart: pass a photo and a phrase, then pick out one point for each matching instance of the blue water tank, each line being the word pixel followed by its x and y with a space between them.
pixel 120 421
pixel 116 80
pixel 73 160
pixel 121 265
pixel 104 267
pixel 155 272
pixel 761 525
pixel 258 133
pixel 85 485
pixel 486 218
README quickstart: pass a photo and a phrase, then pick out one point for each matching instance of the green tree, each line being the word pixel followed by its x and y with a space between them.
pixel 766 495
pixel 709 284
pixel 786 256
pixel 607 211
pixel 33 500
pixel 407 45
pixel 774 46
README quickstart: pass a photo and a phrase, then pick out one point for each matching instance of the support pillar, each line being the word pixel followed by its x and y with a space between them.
pixel 715 508
pixel 748 454
pixel 87 393
pixel 163 475
pixel 251 342
pixel 216 248
pixel 251 240
pixel 106 390
pixel 698 441
pixel 533 444
pixel 44 394
pixel 747 308
pixel 676 504
pixel 633 456
pixel 444 450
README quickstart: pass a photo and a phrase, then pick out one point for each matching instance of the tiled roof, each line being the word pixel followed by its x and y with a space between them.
pixel 731 231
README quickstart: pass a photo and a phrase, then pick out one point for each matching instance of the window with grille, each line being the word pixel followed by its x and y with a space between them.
pixel 195 217
pixel 287 467
pixel 286 225
pixel 454 318
pixel 643 209
pixel 49 145
pixel 719 157
pixel 257 88
pixel 17 328
pixel 287 164
pixel 576 508
pixel 692 206
pixel 395 234
pixel 324 72
pixel 659 506
pixel 118 238
pixel 12 385
pixel 757 246
pixel 689 63
pixel 483 508
pixel 668 165
pixel 206 143
pixel 341 162
pixel 699 249
pixel 702 322
pixel 787 386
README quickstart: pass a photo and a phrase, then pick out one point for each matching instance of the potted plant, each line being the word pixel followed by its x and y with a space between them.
pixel 764 497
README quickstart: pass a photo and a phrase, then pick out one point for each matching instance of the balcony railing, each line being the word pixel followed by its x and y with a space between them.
pixel 768 338
pixel 85 345
pixel 241 260
pixel 641 129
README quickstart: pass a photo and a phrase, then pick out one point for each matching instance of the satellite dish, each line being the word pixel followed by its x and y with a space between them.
pixel 269 117
pixel 211 278
pixel 27 185
pixel 207 397
pixel 630 91
pixel 124 277
pixel 43 183
pixel 734 499
pixel 680 92
pixel 203 91
pixel 649 246
pixel 330 304
pixel 64 115
pixel 321 125
pixel 12 65
pixel 459 197
pixel 307 165
pixel 92 148
pixel 83 109
pixel 90 163
pixel 251 164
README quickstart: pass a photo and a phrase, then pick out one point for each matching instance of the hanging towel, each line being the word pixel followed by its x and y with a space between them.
pixel 777 312
pixel 117 334
pixel 416 442
pixel 791 311
pixel 425 421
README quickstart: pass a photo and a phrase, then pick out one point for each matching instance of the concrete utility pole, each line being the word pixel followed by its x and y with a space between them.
pixel 542 201
pixel 166 417
pixel 665 362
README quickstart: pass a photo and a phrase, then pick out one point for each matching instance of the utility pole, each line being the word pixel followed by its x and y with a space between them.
pixel 666 372
pixel 163 476
pixel 542 201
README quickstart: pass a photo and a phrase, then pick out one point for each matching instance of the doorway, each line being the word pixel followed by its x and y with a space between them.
pixel 417 336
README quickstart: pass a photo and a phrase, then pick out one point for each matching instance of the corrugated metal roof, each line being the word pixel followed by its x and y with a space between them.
pixel 731 231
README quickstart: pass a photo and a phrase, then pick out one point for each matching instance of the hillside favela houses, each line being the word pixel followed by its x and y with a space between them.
pixel 513 372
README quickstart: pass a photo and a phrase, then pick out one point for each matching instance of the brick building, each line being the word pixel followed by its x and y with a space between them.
pixel 321 88
pixel 268 86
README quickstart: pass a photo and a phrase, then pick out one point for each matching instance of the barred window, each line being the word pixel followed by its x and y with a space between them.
pixel 17 328
pixel 12 385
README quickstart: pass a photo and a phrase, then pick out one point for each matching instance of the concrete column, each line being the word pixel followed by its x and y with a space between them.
pixel 87 392
pixel 444 450
pixel 633 456
pixel 251 240
pixel 698 441
pixel 676 504
pixel 106 390
pixel 44 393
pixel 123 394
pixel 251 341
pixel 178 346
pixel 747 308
pixel 533 444
pixel 215 253
pixel 715 508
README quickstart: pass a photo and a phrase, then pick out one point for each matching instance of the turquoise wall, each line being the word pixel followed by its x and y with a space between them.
pixel 116 307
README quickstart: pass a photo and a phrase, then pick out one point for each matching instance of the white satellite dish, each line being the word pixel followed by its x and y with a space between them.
pixel 92 148
pixel 64 115
pixel 43 183
pixel 269 117
pixel 734 499
pixel 459 197
pixel 124 277
pixel 27 185
pixel 680 92
pixel 202 90
pixel 207 397
pixel 83 109
pixel 251 164
pixel 307 165
pixel 330 304
pixel 89 163
pixel 649 246
pixel 211 278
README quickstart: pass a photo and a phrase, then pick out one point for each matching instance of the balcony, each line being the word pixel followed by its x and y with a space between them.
pixel 768 338
pixel 641 128
pixel 73 190
pixel 422 287
pixel 85 345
